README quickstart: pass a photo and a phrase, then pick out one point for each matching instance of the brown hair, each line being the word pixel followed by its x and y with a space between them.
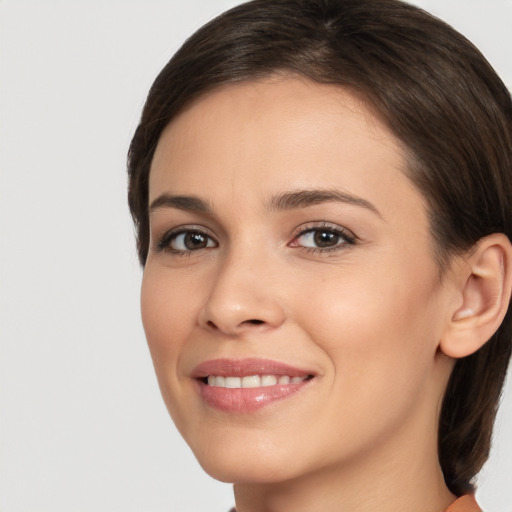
pixel 439 96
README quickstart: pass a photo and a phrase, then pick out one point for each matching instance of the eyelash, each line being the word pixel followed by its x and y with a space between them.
pixel 346 238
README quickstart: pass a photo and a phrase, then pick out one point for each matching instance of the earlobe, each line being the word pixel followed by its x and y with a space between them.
pixel 485 288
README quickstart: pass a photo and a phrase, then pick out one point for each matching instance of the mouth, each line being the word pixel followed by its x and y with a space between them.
pixel 244 386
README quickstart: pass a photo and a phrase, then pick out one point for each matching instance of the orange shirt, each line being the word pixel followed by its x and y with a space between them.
pixel 464 504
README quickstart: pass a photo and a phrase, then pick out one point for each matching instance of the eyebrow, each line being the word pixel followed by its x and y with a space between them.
pixel 303 198
pixel 285 201
pixel 186 203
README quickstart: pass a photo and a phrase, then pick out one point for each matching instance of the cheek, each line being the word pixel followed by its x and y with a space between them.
pixel 378 331
pixel 167 314
pixel 381 350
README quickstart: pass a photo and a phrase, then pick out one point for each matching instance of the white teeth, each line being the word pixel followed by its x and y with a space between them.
pixel 251 381
pixel 268 380
pixel 233 382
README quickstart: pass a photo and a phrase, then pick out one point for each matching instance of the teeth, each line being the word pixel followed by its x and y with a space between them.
pixel 233 382
pixel 252 381
pixel 268 380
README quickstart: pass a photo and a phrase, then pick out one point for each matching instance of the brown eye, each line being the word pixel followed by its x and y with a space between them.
pixel 190 241
pixel 323 238
pixel 326 238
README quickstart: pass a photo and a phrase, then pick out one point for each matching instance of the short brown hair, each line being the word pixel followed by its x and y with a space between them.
pixel 438 95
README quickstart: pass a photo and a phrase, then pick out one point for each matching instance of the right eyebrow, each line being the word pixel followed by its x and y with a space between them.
pixel 186 203
pixel 304 198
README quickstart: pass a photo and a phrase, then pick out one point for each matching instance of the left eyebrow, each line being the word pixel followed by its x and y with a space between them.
pixel 303 198
pixel 186 203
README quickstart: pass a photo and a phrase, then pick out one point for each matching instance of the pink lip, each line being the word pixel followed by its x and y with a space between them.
pixel 245 400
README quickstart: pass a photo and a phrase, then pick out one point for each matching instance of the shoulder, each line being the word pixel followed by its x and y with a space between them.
pixel 464 504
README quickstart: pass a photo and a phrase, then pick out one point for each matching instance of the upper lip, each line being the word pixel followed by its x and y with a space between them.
pixel 246 367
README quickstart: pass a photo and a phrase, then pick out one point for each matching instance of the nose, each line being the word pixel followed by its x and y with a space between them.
pixel 243 297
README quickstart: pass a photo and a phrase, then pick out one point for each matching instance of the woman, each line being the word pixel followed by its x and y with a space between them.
pixel 321 191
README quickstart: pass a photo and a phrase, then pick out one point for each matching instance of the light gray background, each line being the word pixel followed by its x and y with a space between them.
pixel 82 425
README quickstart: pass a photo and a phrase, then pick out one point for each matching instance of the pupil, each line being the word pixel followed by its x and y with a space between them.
pixel 325 239
pixel 195 241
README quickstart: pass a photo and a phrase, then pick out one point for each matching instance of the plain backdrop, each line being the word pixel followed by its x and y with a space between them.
pixel 82 424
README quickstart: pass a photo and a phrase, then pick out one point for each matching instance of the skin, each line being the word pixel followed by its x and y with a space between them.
pixel 366 318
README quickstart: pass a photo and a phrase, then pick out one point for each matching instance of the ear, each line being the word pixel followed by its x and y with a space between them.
pixel 484 283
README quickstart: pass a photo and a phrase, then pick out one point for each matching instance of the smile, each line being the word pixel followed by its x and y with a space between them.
pixel 244 386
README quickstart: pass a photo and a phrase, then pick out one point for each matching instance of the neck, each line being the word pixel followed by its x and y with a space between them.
pixel 386 487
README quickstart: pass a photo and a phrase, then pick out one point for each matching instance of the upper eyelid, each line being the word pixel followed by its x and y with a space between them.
pixel 165 224
pixel 318 225
pixel 185 228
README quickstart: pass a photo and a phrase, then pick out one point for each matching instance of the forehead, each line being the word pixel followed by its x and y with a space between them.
pixel 255 138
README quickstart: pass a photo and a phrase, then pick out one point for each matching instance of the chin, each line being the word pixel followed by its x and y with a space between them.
pixel 246 471
pixel 246 461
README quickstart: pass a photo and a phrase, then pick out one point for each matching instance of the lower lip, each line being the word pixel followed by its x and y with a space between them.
pixel 245 400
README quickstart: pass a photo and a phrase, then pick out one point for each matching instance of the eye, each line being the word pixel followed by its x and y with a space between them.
pixel 185 241
pixel 323 238
pixel 319 238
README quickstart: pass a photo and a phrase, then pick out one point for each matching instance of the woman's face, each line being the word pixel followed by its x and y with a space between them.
pixel 290 299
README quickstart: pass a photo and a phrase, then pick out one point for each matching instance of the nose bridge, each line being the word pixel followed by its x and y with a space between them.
pixel 243 292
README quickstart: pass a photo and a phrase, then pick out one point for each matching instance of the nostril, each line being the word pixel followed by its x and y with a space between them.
pixel 230 325
pixel 254 322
